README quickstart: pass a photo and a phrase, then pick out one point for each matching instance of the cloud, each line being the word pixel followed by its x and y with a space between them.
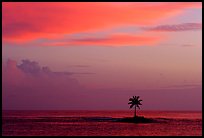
pixel 74 73
pixel 31 70
pixel 30 86
pixel 81 66
pixel 109 40
pixel 119 40
pixel 34 68
pixel 183 86
pixel 176 27
pixel 24 22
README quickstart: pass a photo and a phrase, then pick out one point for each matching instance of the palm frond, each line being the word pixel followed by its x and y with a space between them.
pixel 131 99
pixel 131 105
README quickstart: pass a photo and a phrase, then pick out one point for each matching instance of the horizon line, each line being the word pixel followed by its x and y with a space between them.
pixel 98 110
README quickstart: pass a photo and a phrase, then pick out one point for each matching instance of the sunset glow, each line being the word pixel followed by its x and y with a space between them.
pixel 55 52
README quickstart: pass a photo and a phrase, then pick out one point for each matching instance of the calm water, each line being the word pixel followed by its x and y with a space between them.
pixel 76 123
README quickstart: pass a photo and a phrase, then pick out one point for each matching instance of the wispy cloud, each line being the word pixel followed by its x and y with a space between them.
pixel 176 27
pixel 81 66
pixel 73 73
pixel 109 40
pixel 182 86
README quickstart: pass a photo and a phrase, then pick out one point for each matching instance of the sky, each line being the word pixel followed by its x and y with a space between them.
pixel 96 55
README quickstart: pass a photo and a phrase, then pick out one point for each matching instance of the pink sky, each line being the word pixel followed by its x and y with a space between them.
pixel 54 53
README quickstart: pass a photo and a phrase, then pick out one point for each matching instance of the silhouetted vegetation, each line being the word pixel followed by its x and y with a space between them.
pixel 135 101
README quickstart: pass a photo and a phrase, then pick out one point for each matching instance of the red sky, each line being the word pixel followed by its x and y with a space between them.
pixel 55 52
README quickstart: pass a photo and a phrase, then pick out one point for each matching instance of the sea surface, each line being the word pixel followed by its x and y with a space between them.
pixel 100 123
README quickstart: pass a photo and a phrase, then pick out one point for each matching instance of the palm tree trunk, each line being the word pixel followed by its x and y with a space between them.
pixel 135 112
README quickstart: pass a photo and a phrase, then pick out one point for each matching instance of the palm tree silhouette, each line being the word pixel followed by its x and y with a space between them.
pixel 134 101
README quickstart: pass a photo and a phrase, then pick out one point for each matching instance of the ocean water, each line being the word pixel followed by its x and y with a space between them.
pixel 100 123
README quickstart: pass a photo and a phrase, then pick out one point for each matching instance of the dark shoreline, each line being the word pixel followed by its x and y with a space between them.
pixel 138 119
pixel 135 120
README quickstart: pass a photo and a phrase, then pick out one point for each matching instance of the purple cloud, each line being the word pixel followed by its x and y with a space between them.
pixel 29 86
pixel 33 68
pixel 176 27
pixel 30 67
pixel 184 86
pixel 73 73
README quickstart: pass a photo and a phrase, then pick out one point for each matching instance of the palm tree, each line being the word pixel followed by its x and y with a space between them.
pixel 134 101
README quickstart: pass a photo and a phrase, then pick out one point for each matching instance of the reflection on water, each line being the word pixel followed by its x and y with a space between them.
pixel 68 123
